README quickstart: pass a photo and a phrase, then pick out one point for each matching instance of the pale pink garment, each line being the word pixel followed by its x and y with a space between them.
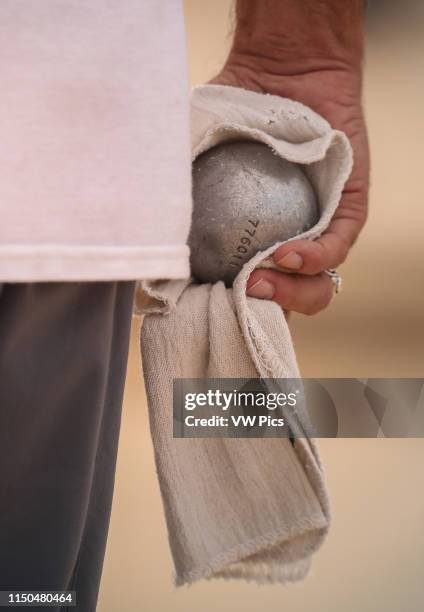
pixel 94 140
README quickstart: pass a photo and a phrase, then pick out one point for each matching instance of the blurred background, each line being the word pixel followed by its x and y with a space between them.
pixel 373 559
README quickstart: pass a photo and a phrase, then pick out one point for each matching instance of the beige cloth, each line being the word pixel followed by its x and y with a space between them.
pixel 238 508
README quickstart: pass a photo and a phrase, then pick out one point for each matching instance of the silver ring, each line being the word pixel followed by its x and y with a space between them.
pixel 336 279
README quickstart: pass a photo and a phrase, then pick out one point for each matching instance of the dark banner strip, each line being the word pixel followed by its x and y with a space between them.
pixel 294 407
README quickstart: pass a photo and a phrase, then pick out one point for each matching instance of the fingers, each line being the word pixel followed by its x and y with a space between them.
pixel 305 294
pixel 311 257
pixel 307 289
pixel 329 250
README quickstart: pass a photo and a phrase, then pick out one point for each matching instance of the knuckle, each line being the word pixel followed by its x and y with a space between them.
pixel 343 251
pixel 361 223
pixel 328 297
pixel 316 260
pixel 333 251
pixel 312 309
pixel 285 293
pixel 309 312
pixel 321 299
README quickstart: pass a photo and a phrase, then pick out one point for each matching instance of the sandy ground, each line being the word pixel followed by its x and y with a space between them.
pixel 374 556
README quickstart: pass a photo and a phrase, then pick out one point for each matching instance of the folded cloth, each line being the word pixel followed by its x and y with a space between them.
pixel 247 508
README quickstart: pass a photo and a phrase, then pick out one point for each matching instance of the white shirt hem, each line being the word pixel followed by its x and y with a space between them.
pixel 92 263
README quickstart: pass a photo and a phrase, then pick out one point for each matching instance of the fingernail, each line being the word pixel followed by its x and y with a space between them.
pixel 292 260
pixel 262 289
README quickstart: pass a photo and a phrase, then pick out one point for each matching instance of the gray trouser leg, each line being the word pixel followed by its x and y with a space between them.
pixel 63 357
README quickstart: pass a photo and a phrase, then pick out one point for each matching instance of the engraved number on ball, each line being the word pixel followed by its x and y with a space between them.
pixel 244 240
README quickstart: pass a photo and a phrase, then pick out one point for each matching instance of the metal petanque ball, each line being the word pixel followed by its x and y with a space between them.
pixel 245 199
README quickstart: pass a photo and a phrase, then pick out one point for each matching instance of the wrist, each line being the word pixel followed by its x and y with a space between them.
pixel 281 44
pixel 291 37
pixel 291 58
pixel 318 85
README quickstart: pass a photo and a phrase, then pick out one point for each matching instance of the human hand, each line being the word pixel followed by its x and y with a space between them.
pixel 332 87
